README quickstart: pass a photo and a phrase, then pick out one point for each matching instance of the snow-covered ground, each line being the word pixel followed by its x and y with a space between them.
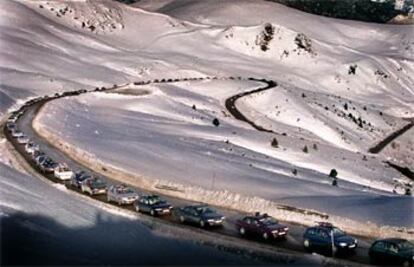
pixel 321 65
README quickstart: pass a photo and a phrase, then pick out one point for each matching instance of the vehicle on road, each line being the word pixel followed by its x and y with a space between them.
pixel 23 139
pixel 121 194
pixel 202 215
pixel 62 172
pixel 39 158
pixel 78 178
pixel 16 133
pixel 262 225
pixel 36 154
pixel 12 119
pixel 47 165
pixel 153 205
pixel 392 251
pixel 94 186
pixel 10 126
pixel 31 147
pixel 327 239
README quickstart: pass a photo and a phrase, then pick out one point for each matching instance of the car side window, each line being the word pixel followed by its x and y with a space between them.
pixel 311 231
pixel 248 220
pixel 323 234
pixel 379 246
pixel 390 247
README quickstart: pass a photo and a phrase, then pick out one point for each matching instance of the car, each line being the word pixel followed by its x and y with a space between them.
pixel 12 119
pixel 262 225
pixel 94 186
pixel 16 133
pixel 201 215
pixel 40 158
pixel 392 251
pixel 62 172
pixel 153 205
pixel 23 139
pixel 31 147
pixel 328 239
pixel 48 165
pixel 36 154
pixel 10 126
pixel 78 178
pixel 121 194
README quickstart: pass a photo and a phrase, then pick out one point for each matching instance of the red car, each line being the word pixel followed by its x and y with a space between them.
pixel 262 225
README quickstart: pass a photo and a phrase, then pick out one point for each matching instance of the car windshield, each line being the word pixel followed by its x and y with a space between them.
pixel 125 190
pixel 203 210
pixel 154 200
pixel 406 245
pixel 97 183
pixel 268 221
pixel 337 232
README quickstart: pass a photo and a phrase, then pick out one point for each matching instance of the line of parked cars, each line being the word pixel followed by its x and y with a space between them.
pixel 322 238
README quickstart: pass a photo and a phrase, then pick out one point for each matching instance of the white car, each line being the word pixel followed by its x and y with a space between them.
pixel 31 147
pixel 62 172
pixel 16 133
pixel 23 139
pixel 12 119
pixel 121 194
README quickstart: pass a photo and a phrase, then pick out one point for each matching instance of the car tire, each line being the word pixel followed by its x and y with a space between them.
pixel 202 224
pixel 182 219
pixel 265 236
pixel 152 212
pixel 242 231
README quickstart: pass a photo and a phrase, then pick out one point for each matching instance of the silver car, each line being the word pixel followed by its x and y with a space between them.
pixel 121 194
pixel 31 147
pixel 23 139
pixel 16 133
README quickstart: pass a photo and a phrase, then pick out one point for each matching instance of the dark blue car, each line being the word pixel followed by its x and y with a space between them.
pixel 327 239
pixel 392 251
pixel 153 205
pixel 201 215
pixel 78 178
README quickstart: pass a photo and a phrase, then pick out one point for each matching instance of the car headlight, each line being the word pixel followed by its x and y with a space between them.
pixel 158 209
pixel 275 231
pixel 343 244
pixel 356 241
pixel 286 228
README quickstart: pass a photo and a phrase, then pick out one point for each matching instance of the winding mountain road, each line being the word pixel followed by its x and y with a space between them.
pixel 291 248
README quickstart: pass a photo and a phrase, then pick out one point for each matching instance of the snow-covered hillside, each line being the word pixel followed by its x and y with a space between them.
pixel 343 87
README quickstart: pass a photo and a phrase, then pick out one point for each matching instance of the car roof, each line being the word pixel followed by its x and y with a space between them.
pixel 393 240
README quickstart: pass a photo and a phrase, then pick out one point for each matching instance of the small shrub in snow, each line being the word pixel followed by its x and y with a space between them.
pixel 266 36
pixel 275 143
pixel 216 122
pixel 352 69
pixel 303 95
pixel 333 173
pixel 303 42
pixel 305 149
pixel 346 107
pixel 407 191
pixel 194 107
pixel 335 182
pixel 315 146
pixel 295 172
